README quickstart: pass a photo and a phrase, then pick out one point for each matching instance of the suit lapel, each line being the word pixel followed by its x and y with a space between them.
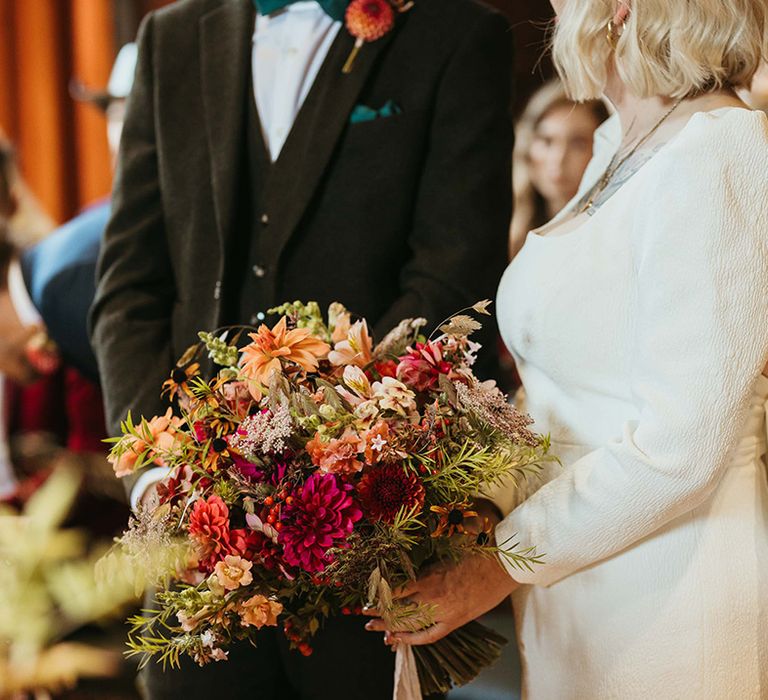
pixel 298 170
pixel 225 47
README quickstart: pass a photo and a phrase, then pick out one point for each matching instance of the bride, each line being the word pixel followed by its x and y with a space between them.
pixel 639 322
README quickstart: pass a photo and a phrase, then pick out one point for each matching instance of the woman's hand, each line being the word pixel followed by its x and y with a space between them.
pixel 460 593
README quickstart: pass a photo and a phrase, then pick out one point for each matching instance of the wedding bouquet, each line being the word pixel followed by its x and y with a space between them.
pixel 314 474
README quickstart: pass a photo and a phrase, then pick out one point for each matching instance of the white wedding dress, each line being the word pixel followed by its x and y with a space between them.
pixel 640 336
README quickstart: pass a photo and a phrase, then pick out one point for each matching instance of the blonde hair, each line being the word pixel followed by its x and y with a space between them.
pixel 529 206
pixel 671 48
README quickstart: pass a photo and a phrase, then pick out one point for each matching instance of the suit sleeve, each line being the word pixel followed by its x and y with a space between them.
pixel 461 220
pixel 131 316
pixel 701 340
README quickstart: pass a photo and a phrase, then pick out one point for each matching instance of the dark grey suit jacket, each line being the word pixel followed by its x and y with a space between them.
pixel 396 217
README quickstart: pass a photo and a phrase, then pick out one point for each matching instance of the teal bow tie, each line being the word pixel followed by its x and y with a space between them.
pixel 334 8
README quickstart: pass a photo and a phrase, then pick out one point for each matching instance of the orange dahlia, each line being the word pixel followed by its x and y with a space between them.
pixel 369 20
pixel 271 348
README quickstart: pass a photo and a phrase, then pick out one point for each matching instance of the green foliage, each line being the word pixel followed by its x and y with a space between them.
pixel 219 350
pixel 306 316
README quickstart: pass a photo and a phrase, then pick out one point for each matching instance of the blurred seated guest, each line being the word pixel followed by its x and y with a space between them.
pixel 50 286
pixel 60 272
pixel 553 147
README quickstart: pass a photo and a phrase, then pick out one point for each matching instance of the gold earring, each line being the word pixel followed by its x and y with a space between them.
pixel 611 35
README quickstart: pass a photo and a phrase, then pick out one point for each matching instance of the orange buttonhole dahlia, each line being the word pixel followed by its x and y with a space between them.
pixel 367 20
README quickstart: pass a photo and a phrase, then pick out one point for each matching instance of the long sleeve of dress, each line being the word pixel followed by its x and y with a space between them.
pixel 701 339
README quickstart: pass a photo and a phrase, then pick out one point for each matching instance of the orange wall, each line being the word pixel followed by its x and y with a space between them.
pixel 62 146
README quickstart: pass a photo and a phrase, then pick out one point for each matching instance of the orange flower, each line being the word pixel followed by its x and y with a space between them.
pixel 259 611
pixel 357 349
pixel 161 434
pixel 376 440
pixel 451 519
pixel 339 320
pixel 233 572
pixel 271 348
pixel 339 455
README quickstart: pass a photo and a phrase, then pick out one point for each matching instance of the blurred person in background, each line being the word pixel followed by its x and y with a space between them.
pixel 552 150
pixel 47 288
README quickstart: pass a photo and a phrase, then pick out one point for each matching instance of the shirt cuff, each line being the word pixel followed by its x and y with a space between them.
pixel 22 302
pixel 147 479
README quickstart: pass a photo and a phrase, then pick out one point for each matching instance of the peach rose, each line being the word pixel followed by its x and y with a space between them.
pixel 233 572
pixel 259 611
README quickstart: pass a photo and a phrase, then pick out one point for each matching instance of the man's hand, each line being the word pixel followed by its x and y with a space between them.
pixel 460 593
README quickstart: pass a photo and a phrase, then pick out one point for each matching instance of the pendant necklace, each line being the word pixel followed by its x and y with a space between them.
pixel 608 175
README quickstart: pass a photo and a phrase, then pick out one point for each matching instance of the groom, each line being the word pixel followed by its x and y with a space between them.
pixel 254 170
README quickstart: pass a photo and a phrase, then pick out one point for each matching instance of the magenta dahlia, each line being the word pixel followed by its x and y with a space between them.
pixel 320 515
pixel 384 490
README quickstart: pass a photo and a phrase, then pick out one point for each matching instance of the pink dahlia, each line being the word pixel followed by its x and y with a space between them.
pixel 422 366
pixel 321 515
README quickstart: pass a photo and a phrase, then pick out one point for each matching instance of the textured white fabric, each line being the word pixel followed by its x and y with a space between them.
pixel 640 337
pixel 289 47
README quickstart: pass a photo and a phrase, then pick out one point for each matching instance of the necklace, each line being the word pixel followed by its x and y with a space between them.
pixel 608 175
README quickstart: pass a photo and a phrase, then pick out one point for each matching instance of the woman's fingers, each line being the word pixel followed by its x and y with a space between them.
pixel 408 590
pixel 376 625
pixel 425 636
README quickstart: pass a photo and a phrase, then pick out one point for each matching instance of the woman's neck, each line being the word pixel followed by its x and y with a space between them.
pixel 638 115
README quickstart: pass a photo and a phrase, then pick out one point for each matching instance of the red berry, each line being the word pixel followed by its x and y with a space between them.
pixel 268 501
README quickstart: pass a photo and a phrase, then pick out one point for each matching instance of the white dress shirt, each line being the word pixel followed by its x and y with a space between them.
pixel 289 48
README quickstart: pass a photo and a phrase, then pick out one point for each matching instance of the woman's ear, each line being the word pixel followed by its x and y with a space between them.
pixel 622 13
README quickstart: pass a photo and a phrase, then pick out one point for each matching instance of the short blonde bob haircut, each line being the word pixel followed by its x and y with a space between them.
pixel 670 48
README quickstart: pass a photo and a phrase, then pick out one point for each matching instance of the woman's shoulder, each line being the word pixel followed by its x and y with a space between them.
pixel 727 136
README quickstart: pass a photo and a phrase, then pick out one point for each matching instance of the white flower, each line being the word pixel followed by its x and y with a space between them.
pixel 393 395
pixel 378 443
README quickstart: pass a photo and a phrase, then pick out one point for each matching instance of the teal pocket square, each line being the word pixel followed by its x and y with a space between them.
pixel 362 113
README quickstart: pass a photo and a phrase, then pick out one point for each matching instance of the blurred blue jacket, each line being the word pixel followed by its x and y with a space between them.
pixel 60 273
